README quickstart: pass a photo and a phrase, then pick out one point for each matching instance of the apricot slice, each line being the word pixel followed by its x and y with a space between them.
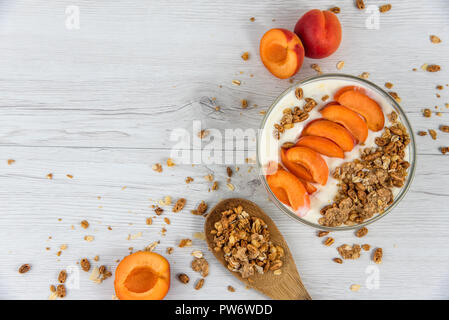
pixel 297 169
pixel 281 195
pixel 321 145
pixel 332 131
pixel 312 160
pixel 365 106
pixel 281 52
pixel 297 195
pixel 347 88
pixel 348 119
pixel 143 275
pixel 309 186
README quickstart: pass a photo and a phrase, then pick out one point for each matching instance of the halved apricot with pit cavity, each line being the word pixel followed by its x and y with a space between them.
pixel 281 52
pixel 143 275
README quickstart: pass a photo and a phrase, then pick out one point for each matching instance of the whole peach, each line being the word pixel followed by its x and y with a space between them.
pixel 320 33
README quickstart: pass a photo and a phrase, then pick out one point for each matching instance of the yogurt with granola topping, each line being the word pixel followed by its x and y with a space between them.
pixel 322 92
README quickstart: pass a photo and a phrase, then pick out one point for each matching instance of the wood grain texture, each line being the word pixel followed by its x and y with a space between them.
pixel 100 102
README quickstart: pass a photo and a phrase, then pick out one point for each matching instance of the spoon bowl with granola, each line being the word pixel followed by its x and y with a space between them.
pixel 246 241
pixel 340 144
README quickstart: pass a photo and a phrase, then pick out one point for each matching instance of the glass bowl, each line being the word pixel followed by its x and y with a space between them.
pixel 371 87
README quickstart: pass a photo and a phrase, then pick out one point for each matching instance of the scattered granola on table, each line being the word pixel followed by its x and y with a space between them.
pixel 349 252
pixel 61 291
pixel 377 256
pixel 329 241
pixel 335 10
pixel 84 224
pixel 340 65
pixel 366 184
pixel 200 265
pixel 199 284
pixel 24 268
pixel 185 243
pixel 85 265
pixel 385 8
pixel 337 260
pixel 201 209
pixel 179 205
pixel 435 39
pixel 62 277
pixel 362 232
pixel 322 233
pixel 183 278
pixel 433 68
pixel 157 167
pixel 245 242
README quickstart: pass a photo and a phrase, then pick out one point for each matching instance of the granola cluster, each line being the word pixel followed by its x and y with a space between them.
pixel 366 184
pixel 245 243
pixel 294 115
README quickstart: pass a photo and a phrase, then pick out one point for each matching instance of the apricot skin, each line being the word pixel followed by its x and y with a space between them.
pixel 320 33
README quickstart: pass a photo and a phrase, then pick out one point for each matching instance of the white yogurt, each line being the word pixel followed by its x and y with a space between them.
pixel 269 146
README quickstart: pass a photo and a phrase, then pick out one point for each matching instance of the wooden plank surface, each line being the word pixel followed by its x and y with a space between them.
pixel 100 102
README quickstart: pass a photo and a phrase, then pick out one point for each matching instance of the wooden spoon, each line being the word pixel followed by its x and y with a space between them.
pixel 288 285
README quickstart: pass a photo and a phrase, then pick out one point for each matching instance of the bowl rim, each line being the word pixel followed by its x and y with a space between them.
pixel 404 120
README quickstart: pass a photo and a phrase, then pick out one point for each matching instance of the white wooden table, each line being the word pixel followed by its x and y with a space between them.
pixel 99 103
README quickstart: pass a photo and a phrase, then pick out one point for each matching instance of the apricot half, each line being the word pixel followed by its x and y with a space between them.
pixel 291 187
pixel 348 119
pixel 321 145
pixel 320 32
pixel 312 161
pixel 365 106
pixel 281 52
pixel 332 131
pixel 143 275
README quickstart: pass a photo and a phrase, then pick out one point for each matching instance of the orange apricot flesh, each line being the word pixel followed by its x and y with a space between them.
pixel 292 187
pixel 365 106
pixel 311 160
pixel 297 169
pixel 321 145
pixel 332 131
pixel 347 88
pixel 143 275
pixel 349 119
pixel 281 52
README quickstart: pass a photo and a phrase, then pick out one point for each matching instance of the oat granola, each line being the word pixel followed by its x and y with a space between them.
pixel 179 205
pixel 366 184
pixel 245 242
pixel 201 209
pixel 200 265
pixel 349 252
